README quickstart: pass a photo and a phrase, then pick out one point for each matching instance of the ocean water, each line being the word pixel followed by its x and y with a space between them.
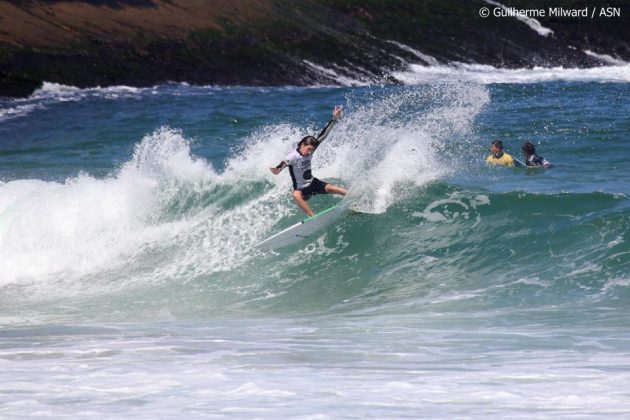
pixel 130 286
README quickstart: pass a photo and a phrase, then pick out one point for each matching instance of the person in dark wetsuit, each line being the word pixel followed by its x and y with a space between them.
pixel 532 159
pixel 299 162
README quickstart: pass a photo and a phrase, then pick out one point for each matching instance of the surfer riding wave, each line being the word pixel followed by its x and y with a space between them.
pixel 299 163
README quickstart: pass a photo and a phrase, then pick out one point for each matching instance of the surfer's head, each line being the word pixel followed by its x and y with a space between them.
pixel 307 145
pixel 496 147
pixel 528 148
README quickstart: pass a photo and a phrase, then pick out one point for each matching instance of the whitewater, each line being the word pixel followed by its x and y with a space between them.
pixel 130 285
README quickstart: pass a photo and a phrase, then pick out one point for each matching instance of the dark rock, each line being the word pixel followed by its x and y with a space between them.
pixel 357 39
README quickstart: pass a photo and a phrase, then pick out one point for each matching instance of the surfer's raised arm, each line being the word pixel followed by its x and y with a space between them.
pixel 335 115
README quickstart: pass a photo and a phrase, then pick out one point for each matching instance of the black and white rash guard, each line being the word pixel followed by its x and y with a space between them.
pixel 300 165
pixel 535 160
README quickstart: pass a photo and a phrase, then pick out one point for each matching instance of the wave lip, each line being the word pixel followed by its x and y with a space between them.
pixel 88 225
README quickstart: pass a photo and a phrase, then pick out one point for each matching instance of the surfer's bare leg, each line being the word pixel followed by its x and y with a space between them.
pixel 297 196
pixel 334 189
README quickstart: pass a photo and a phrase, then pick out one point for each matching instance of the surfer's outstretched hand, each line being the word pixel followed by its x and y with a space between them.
pixel 274 171
pixel 337 112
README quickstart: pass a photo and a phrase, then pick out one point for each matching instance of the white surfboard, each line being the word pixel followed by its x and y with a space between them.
pixel 519 164
pixel 302 230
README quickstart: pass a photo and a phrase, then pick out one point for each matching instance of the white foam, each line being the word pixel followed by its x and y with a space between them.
pixel 49 89
pixel 457 205
pixel 86 225
pixel 429 60
pixel 51 93
pixel 618 282
pixel 165 154
pixel 608 59
pixel 17 111
pixel 486 74
pixel 374 152
pixel 531 22
pixel 463 367
pixel 359 74
pixel 68 229
pixel 61 92
pixel 334 76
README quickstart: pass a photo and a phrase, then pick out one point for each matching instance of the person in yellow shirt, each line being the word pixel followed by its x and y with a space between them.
pixel 498 156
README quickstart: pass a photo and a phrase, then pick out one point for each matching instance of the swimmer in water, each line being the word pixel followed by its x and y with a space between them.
pixel 532 159
pixel 498 156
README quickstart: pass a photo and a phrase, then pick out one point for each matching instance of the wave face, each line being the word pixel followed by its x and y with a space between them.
pixel 168 219
pixel 176 232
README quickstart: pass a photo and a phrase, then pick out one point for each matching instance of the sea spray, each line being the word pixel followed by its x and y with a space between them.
pixel 383 141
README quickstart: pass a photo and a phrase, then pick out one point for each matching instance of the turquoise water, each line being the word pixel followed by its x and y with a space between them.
pixel 130 285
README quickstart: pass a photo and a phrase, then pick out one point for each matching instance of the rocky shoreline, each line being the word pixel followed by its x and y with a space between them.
pixel 87 43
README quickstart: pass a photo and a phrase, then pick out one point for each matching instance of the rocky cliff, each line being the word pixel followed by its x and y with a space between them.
pixel 88 43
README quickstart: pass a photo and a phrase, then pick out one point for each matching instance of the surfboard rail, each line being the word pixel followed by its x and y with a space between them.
pixel 302 229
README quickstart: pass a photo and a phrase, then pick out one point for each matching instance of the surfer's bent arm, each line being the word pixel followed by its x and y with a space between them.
pixel 279 167
pixel 326 131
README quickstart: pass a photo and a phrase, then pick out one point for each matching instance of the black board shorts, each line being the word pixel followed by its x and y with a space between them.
pixel 316 187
